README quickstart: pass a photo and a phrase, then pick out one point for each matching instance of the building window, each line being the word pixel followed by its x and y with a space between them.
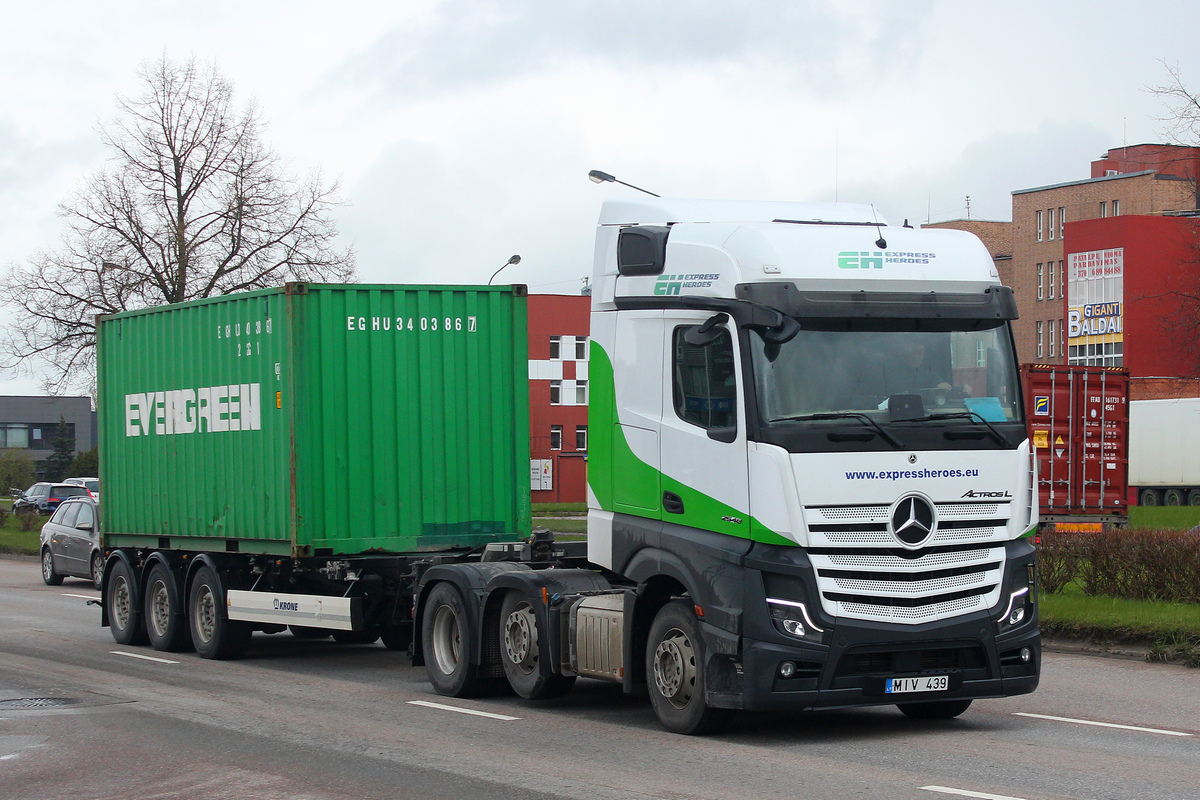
pixel 1039 225
pixel 555 348
pixel 581 347
pixel 1062 279
pixel 556 437
pixel 1040 340
pixel 1103 209
pixel 581 393
pixel 1062 220
pixel 1116 208
pixel 1041 273
pixel 581 437
pixel 14 437
pixel 1053 335
pixel 555 393
pixel 1050 278
pixel 1050 227
pixel 980 353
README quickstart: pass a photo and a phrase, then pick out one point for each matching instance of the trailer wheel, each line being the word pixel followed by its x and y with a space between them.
pixel 1193 497
pixel 941 709
pixel 166 624
pixel 1172 497
pixel 50 576
pixel 1148 497
pixel 124 610
pixel 520 652
pixel 357 637
pixel 213 633
pixel 675 673
pixel 448 644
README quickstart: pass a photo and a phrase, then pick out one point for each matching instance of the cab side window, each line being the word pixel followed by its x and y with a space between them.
pixel 705 383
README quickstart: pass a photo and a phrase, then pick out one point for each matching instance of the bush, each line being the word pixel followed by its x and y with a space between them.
pixel 1132 564
pixel 28 518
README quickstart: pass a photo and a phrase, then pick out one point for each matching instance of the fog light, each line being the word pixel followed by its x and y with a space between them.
pixel 787 670
pixel 1016 616
pixel 793 627
pixel 1026 654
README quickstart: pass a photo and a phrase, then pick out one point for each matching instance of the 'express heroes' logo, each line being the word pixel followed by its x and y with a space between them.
pixel 849 259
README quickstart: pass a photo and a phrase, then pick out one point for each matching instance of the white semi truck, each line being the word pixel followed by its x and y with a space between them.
pixel 810 484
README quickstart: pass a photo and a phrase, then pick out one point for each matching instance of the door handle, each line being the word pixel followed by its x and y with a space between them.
pixel 672 503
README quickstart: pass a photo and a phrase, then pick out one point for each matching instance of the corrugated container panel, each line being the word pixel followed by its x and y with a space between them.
pixel 1078 419
pixel 390 419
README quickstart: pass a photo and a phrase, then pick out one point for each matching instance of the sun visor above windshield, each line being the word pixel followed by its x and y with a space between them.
pixel 993 303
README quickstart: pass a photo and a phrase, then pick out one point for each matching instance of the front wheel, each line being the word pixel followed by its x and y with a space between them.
pixel 675 673
pixel 98 569
pixel 940 709
pixel 520 652
pixel 50 576
pixel 448 644
pixel 214 635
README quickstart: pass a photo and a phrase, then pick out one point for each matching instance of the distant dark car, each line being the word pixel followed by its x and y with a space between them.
pixel 45 497
pixel 71 543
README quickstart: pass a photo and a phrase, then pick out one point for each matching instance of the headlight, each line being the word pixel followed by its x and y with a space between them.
pixel 1020 601
pixel 791 618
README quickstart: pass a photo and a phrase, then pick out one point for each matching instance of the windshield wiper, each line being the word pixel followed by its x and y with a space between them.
pixel 999 437
pixel 887 437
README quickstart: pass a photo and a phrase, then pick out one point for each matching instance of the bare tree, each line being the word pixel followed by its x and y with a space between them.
pixel 192 204
pixel 1183 108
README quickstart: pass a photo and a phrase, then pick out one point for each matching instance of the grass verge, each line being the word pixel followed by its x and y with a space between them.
pixel 1170 630
pixel 16 542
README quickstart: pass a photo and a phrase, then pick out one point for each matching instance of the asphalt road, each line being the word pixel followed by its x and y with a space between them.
pixel 84 718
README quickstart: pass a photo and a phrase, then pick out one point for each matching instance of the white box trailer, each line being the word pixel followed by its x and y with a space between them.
pixel 1164 451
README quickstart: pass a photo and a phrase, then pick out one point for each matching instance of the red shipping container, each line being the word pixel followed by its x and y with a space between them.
pixel 1078 420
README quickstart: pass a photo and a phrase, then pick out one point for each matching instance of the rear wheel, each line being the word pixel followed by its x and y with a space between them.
pixel 941 709
pixel 50 576
pixel 1193 497
pixel 166 624
pixel 520 652
pixel 675 673
pixel 121 600
pixel 1148 497
pixel 1173 497
pixel 213 633
pixel 448 645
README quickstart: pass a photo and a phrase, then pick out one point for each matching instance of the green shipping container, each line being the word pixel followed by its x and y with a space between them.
pixel 317 420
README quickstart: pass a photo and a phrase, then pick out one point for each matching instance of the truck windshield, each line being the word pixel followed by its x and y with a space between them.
pixel 895 373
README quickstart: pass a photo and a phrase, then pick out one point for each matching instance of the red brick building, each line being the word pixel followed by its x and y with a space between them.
pixel 558 397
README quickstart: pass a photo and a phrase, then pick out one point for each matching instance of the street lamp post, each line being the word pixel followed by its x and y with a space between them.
pixel 512 260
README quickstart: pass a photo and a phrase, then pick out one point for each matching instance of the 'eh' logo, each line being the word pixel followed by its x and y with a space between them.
pixel 668 285
pixel 1041 406
pixel 851 260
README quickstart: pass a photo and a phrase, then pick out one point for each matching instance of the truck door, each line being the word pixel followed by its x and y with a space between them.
pixel 702 448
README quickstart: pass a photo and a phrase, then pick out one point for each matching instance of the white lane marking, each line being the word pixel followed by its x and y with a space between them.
pixel 144 658
pixel 462 710
pixel 83 596
pixel 965 793
pixel 1102 724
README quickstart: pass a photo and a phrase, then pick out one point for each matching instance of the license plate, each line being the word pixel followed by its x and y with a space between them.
pixel 927 683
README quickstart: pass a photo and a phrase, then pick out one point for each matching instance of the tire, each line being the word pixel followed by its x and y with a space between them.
pixel 301 632
pixel 98 569
pixel 1173 497
pixel 675 673
pixel 214 635
pixel 123 603
pixel 939 709
pixel 397 637
pixel 370 636
pixel 448 644
pixel 1193 497
pixel 166 623
pixel 1148 497
pixel 520 651
pixel 50 576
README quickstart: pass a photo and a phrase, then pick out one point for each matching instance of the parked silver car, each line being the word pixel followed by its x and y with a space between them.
pixel 71 543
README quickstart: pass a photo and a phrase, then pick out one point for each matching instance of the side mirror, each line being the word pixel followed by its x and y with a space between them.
pixel 83 526
pixel 707 332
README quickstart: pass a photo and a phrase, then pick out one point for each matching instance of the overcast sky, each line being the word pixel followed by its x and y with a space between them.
pixel 463 130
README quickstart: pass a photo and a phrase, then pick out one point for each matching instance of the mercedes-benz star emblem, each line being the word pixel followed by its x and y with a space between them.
pixel 912 520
